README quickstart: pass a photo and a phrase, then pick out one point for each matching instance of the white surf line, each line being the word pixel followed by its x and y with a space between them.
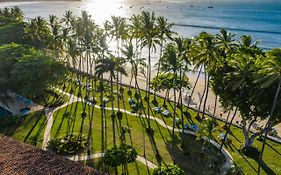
pixel 229 160
pixel 141 159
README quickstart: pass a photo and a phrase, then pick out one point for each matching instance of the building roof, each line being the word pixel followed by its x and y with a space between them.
pixel 22 159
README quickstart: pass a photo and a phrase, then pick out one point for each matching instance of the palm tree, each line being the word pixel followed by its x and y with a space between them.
pixel 56 37
pixel 240 76
pixel 68 18
pixel 247 46
pixel 17 13
pixel 150 39
pixel 111 65
pixel 135 30
pixel 183 46
pixel 38 32
pixel 102 54
pixel 226 42
pixel 272 71
pixel 208 57
pixel 165 31
pixel 119 32
pixel 170 63
pixel 226 45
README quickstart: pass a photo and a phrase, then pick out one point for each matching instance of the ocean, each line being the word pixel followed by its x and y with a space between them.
pixel 261 19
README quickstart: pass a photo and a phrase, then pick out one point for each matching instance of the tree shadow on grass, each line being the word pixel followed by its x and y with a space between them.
pixel 233 135
pixel 35 124
pixel 69 103
pixel 40 130
pixel 130 135
pixel 264 166
pixel 191 157
pixel 63 118
pixel 271 147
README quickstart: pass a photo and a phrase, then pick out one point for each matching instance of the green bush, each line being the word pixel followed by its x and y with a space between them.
pixel 120 155
pixel 12 33
pixel 168 169
pixel 68 145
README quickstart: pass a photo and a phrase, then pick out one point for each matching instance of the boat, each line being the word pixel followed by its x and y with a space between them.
pixel 210 7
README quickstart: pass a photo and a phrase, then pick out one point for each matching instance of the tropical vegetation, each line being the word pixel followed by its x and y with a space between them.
pixel 244 78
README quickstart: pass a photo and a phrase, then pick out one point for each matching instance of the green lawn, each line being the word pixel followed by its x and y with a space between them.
pixel 160 142
pixel 29 129
pixel 271 156
pixel 135 168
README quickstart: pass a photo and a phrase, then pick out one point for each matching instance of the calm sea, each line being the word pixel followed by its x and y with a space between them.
pixel 262 19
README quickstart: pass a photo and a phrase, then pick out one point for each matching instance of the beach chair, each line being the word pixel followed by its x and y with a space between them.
pixel 194 128
pixel 157 109
pixel 166 113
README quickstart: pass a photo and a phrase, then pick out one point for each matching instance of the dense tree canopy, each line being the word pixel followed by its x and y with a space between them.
pixel 241 75
pixel 26 71
pixel 165 82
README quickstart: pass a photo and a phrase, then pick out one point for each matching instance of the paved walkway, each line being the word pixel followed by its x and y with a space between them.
pixel 99 155
pixel 72 99
pixel 49 114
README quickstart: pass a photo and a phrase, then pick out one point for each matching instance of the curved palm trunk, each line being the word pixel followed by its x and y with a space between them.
pixel 139 91
pixel 103 119
pixel 193 89
pixel 180 103
pixel 206 95
pixel 117 91
pixel 103 147
pixel 228 128
pixel 203 95
pixel 112 110
pixel 158 66
pixel 268 123
pixel 148 86
pixel 174 119
pixel 215 107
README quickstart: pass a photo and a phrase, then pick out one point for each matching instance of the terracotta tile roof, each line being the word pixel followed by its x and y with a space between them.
pixel 21 159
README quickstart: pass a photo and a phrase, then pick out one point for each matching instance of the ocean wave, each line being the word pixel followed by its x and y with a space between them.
pixel 228 28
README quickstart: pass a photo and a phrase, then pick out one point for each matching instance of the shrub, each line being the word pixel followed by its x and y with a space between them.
pixel 168 169
pixel 12 33
pixel 120 155
pixel 68 145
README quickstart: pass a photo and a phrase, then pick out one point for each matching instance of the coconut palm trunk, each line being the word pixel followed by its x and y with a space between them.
pixel 206 95
pixel 228 128
pixel 268 124
pixel 174 119
pixel 203 95
pixel 112 109
pixel 215 107
pixel 148 86
pixel 193 89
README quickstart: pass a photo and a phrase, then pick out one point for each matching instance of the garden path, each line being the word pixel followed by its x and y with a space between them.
pixel 72 99
pixel 99 155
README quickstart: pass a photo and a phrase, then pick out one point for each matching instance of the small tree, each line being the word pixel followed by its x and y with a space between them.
pixel 120 156
pixel 168 169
